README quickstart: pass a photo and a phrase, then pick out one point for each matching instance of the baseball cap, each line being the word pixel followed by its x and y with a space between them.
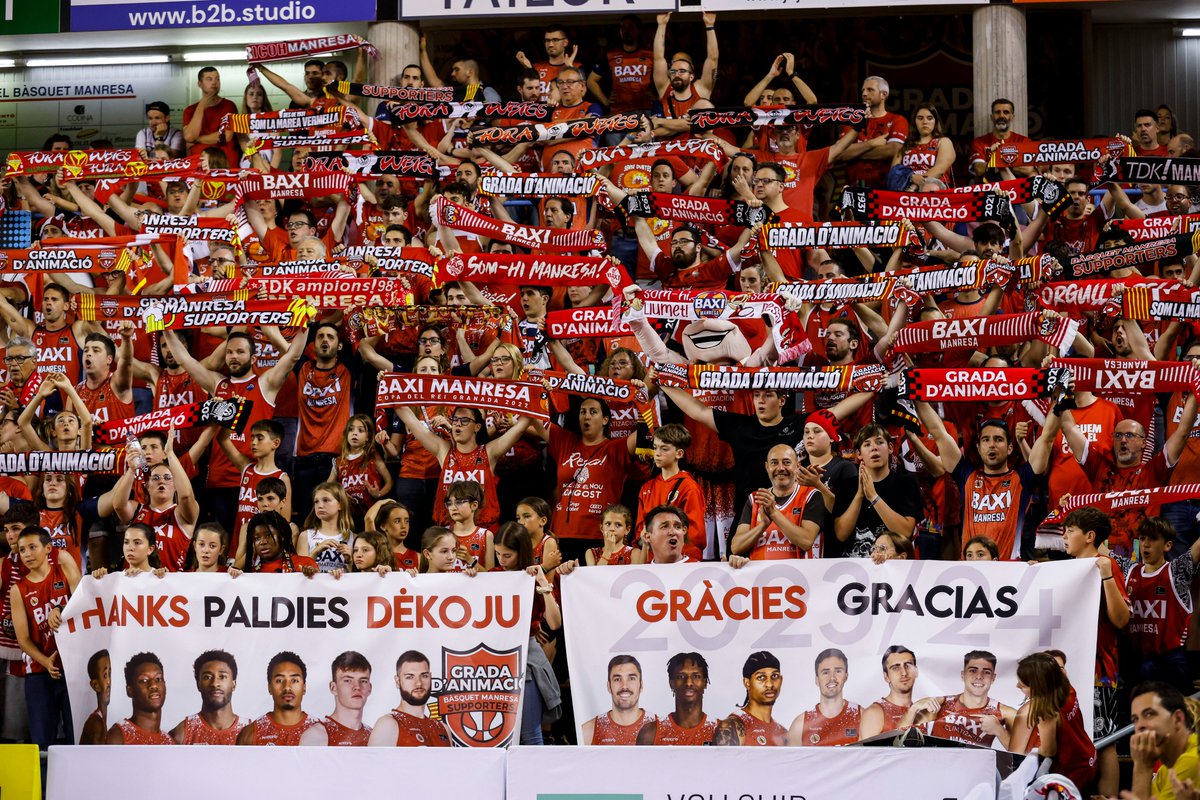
pixel 160 106
pixel 58 221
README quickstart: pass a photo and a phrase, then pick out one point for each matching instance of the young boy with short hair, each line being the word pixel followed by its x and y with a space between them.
pixel 674 486
pixel 266 436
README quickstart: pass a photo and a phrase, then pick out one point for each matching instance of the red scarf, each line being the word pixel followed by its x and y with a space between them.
pixel 275 185
pixel 196 311
pixel 1169 301
pixel 232 413
pixel 509 397
pixel 293 49
pixel 1029 153
pixel 945 207
pixel 705 149
pixel 366 164
pixel 1131 376
pixel 290 119
pixel 798 235
pixel 978 333
pixel 452 215
pixel 524 270
pixel 1157 227
pixel 973 385
pixel 341 291
pixel 1111 502
pixel 592 322
pixel 75 162
pixel 97 462
pixel 538 184
pixel 586 128
pixel 708 119
pixel 853 378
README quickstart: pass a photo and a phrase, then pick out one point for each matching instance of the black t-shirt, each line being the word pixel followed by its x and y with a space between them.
pixel 902 495
pixel 750 442
pixel 841 476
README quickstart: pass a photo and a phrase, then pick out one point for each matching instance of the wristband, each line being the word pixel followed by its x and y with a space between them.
pixel 1109 578
pixel 873 502
pixel 710 27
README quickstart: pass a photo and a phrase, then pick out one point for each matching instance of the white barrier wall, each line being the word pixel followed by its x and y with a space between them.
pixel 523 773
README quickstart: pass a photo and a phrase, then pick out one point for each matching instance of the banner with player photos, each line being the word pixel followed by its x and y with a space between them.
pixel 464 684
pixel 687 639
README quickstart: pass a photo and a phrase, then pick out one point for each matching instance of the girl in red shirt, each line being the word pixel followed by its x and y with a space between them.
pixel 271 536
pixel 394 521
pixel 207 553
pixel 615 525
pixel 1052 721
pixel 534 513
pixel 360 468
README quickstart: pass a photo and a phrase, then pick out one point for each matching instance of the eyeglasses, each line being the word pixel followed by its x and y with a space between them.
pixel 221 262
pixel 682 241
pixel 764 181
pixel 550 39
pixel 462 420
pixel 567 81
pixel 162 479
pixel 881 548
pixel 1128 435
pixel 500 360
pixel 16 359
pixel 679 72
pixel 455 501
pixel 297 224
pixel 429 340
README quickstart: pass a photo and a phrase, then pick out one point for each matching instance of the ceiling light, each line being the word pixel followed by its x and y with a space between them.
pixel 96 61
pixel 215 56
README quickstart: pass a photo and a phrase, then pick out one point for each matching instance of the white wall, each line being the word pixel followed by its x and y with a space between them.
pixel 1137 66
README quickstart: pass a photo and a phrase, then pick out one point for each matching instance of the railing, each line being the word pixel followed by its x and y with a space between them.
pixel 1120 734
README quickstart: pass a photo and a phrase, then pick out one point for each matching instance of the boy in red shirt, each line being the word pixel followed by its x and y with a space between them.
pixel 674 486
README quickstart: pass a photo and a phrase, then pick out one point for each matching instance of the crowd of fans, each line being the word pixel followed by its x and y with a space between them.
pixel 317 482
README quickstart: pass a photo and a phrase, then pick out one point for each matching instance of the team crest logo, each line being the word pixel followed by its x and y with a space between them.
pixel 1006 154
pixel 33 601
pixel 449 214
pixel 478 695
pixel 212 190
pixel 13 164
pixel 635 179
pixel 136 169
pixel 791 173
pixel 73 162
pixel 710 305
pixel 108 308
pixel 454 266
pixel 1047 326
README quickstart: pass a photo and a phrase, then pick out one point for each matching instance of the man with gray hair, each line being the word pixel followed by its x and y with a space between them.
pixel 878 142
pixel 20 363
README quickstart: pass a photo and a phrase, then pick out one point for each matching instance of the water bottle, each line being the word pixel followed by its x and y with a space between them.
pixel 134 454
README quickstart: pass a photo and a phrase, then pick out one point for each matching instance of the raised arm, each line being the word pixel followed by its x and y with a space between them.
pixel 205 377
pixel 707 78
pixel 187 510
pixel 1178 440
pixel 662 80
pixel 689 405
pixel 431 76
pixel 294 94
pixel 949 452
pixel 425 437
pixel 1039 454
pixel 273 378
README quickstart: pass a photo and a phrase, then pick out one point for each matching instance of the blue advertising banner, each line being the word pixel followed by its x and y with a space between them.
pixel 114 15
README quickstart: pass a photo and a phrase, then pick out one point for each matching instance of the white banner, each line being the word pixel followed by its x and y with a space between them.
pixel 797 611
pixel 694 773
pixel 472 631
pixel 188 773
pixel 422 9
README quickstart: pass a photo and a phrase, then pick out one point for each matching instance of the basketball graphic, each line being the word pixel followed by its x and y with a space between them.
pixel 478 695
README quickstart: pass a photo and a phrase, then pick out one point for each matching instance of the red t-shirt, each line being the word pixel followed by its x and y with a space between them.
pixel 590 478
pixel 873 173
pixel 211 124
